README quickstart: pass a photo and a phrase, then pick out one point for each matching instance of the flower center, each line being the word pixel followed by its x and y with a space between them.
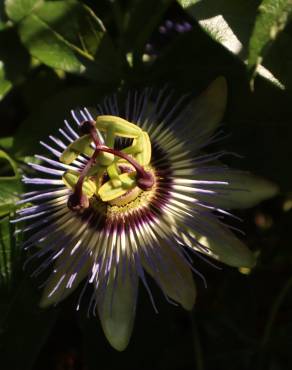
pixel 115 176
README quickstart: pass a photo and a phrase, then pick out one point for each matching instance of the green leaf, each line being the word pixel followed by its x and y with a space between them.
pixel 67 35
pixel 10 188
pixel 6 142
pixel 5 85
pixel 5 249
pixel 239 16
pixel 18 9
pixel 273 17
pixel 231 23
pixel 10 266
pixel 3 17
pixel 6 157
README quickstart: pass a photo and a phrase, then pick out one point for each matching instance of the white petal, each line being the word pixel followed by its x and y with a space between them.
pixel 174 276
pixel 65 278
pixel 117 310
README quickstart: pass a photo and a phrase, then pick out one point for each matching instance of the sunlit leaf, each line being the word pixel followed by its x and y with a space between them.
pixel 272 18
pixel 239 15
pixel 67 35
pixel 18 9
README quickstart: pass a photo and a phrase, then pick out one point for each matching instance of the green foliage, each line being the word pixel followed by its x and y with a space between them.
pixel 273 17
pixel 10 187
pixel 9 194
pixel 239 14
pixel 65 35
pixel 255 24
pixel 18 9
pixel 5 250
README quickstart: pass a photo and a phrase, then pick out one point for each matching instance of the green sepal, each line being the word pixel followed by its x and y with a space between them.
pixel 176 282
pixel 108 191
pixel 242 189
pixel 221 244
pixel 80 145
pixel 70 179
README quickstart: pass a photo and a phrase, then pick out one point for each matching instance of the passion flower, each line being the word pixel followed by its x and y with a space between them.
pixel 131 193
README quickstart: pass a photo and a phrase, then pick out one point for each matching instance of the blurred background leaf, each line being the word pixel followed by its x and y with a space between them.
pixel 273 17
pixel 18 9
pixel 246 28
pixel 239 15
pixel 66 35
pixel 10 186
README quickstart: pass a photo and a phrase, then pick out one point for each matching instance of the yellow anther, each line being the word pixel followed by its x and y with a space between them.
pixel 118 125
pixel 144 156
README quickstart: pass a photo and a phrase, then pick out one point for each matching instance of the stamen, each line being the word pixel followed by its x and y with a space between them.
pixel 145 179
pixel 79 201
